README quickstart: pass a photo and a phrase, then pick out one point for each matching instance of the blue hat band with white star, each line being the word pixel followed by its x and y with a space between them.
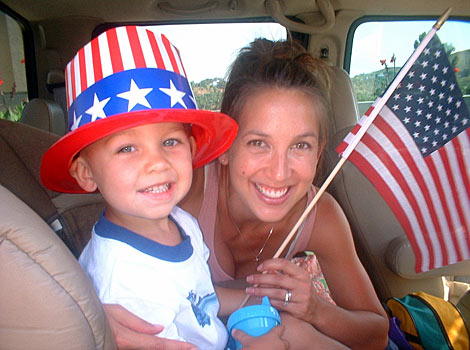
pixel 131 90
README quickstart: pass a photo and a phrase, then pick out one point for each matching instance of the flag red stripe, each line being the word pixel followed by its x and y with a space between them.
pixel 392 202
pixel 95 53
pixel 435 176
pixel 72 75
pixel 465 173
pixel 114 51
pixel 156 50
pixel 82 65
pixel 387 160
pixel 454 198
pixel 399 144
pixel 462 193
pixel 169 51
pixel 136 47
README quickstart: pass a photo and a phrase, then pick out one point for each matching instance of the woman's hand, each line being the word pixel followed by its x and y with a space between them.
pixel 270 340
pixel 131 332
pixel 279 277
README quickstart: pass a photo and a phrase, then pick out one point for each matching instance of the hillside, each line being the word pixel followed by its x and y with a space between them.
pixel 367 86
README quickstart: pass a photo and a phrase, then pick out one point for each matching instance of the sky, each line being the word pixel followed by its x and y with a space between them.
pixel 374 41
pixel 203 60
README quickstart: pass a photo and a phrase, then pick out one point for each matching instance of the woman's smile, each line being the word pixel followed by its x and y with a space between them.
pixel 272 192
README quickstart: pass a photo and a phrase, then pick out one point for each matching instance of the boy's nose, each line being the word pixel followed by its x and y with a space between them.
pixel 156 160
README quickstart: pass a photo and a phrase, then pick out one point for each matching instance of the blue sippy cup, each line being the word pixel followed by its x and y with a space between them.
pixel 254 320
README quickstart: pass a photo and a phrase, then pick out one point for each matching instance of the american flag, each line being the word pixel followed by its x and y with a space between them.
pixel 417 155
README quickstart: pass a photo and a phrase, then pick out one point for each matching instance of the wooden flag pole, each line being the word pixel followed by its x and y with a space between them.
pixel 368 122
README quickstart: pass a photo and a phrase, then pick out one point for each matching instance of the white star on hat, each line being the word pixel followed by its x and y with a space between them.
pixel 175 95
pixel 136 96
pixel 96 111
pixel 76 121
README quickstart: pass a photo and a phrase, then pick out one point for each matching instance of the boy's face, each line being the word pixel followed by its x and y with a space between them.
pixel 142 172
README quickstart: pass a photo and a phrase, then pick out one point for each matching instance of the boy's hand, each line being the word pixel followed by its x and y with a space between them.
pixel 131 332
pixel 271 340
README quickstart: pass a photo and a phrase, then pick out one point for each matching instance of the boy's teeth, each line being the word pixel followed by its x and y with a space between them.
pixel 271 192
pixel 158 189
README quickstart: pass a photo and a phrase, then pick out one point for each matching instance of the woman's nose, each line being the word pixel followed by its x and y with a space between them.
pixel 279 165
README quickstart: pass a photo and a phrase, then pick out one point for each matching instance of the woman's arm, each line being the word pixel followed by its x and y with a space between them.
pixel 358 319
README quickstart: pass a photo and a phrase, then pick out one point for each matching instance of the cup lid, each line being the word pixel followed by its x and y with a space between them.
pixel 263 310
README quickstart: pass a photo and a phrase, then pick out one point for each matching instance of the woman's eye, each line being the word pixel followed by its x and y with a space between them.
pixel 301 145
pixel 170 142
pixel 127 149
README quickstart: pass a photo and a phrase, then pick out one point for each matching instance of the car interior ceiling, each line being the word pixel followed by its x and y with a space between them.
pixel 37 216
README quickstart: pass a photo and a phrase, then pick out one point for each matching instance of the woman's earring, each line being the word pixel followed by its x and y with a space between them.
pixel 223 159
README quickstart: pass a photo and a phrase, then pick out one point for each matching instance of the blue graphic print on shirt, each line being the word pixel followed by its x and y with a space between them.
pixel 199 306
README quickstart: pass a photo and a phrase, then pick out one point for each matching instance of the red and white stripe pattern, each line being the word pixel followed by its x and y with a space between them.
pixel 119 49
pixel 430 196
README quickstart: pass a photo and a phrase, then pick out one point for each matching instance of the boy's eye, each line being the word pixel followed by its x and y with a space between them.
pixel 127 149
pixel 256 143
pixel 170 142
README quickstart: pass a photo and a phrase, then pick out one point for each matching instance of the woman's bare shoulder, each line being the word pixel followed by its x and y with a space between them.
pixel 331 225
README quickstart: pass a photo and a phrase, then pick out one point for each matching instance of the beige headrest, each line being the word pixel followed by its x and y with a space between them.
pixel 46 115
pixel 46 300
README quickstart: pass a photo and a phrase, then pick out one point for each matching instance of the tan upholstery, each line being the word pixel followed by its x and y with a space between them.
pixel 46 300
pixel 46 115
pixel 21 150
pixel 380 241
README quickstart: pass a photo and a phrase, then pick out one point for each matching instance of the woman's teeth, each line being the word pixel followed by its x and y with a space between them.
pixel 157 189
pixel 272 193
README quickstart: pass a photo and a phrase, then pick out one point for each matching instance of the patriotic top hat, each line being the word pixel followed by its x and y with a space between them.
pixel 126 77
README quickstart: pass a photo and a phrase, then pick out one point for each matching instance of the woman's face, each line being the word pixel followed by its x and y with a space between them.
pixel 273 160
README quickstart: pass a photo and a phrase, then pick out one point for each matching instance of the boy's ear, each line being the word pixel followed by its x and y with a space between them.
pixel 192 145
pixel 81 172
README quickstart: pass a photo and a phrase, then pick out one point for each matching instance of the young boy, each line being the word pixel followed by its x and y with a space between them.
pixel 135 136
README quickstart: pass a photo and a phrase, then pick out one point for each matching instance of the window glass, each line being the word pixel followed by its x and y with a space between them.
pixel 13 90
pixel 207 50
pixel 380 49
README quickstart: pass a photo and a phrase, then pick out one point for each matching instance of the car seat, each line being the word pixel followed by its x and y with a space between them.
pixel 380 241
pixel 46 115
pixel 71 215
pixel 46 300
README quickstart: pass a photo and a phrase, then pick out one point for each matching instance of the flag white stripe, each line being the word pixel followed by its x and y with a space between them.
pixel 106 65
pixel 178 60
pixel 380 168
pixel 76 63
pixel 462 198
pixel 410 179
pixel 428 179
pixel 128 61
pixel 465 144
pixel 447 189
pixel 69 85
pixel 90 73
pixel 165 57
pixel 149 58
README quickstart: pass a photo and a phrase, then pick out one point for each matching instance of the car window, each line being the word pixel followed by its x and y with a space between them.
pixel 13 89
pixel 207 51
pixel 380 48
